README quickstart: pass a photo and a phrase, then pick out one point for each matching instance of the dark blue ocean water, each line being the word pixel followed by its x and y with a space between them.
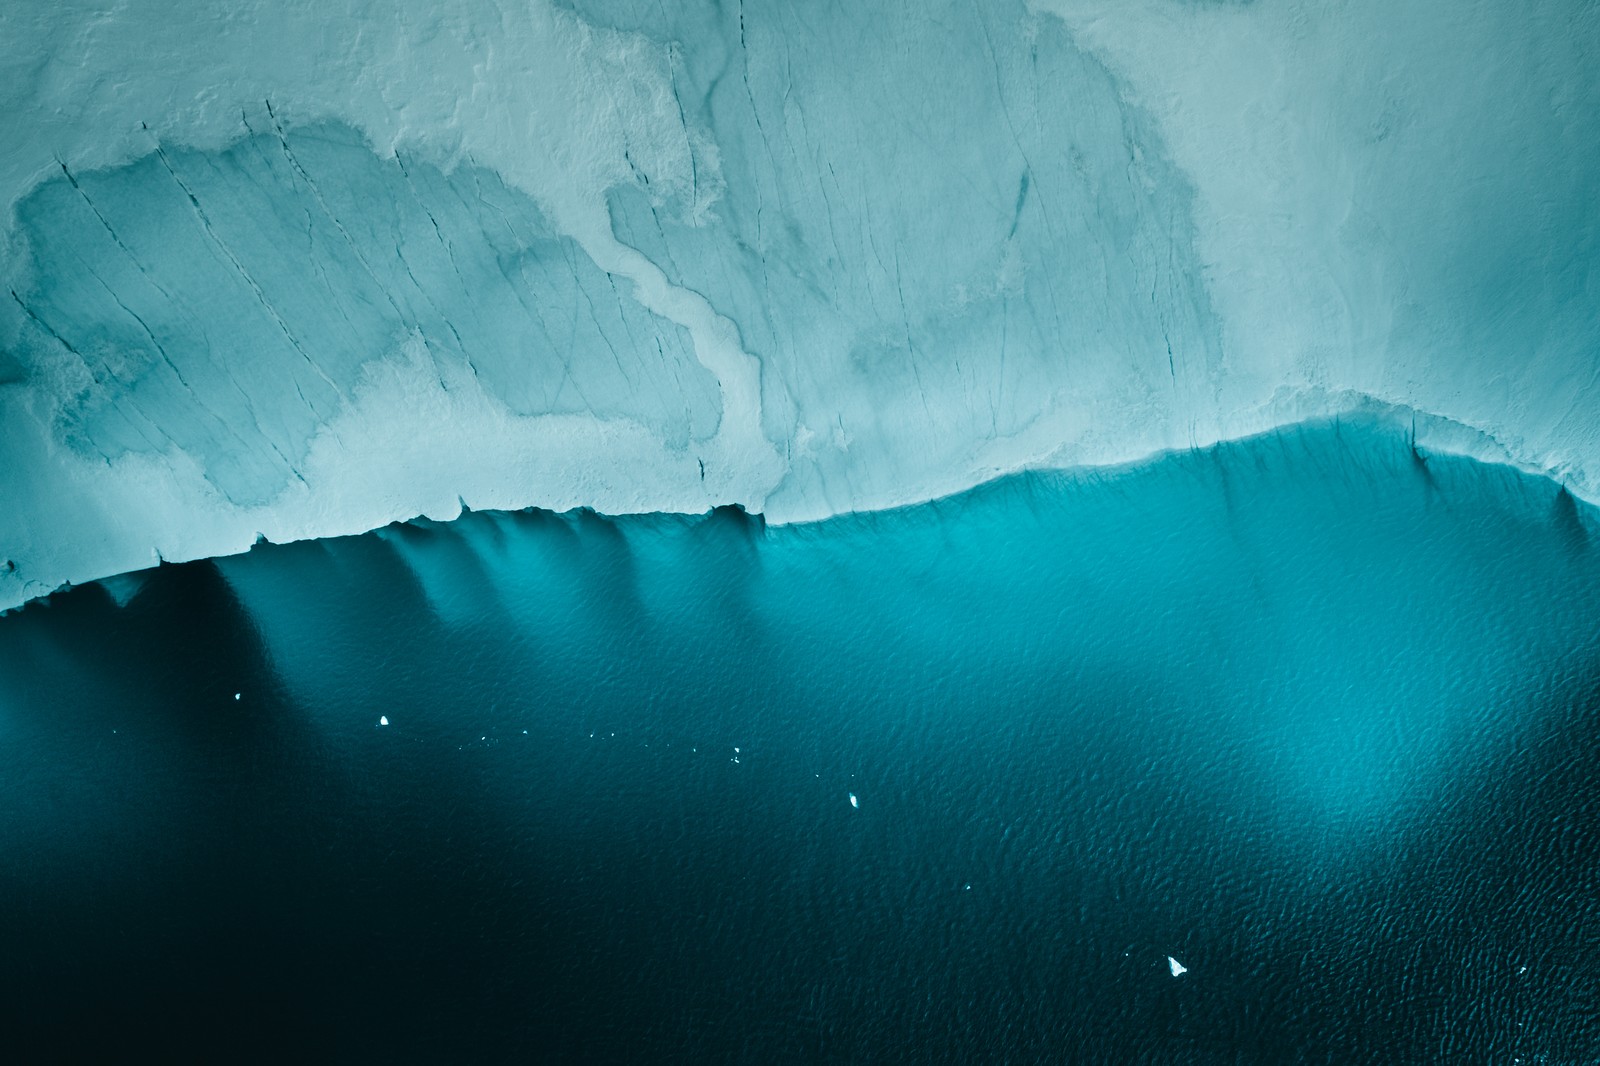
pixel 1307 714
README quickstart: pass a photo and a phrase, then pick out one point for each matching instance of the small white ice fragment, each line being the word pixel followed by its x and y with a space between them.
pixel 383 719
pixel 1178 969
pixel 853 801
pixel 236 695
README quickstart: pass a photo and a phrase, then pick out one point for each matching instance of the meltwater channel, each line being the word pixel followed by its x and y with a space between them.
pixel 1311 716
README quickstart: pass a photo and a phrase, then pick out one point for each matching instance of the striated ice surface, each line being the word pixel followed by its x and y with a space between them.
pixel 301 270
pixel 306 255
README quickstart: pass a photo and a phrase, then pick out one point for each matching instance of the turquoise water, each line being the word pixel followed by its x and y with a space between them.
pixel 1308 714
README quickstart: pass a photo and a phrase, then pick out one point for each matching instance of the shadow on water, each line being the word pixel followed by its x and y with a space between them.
pixel 208 874
pixel 1311 714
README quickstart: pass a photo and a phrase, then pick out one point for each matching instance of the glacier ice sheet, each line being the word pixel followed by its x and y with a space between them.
pixel 660 257
pixel 226 303
pixel 941 229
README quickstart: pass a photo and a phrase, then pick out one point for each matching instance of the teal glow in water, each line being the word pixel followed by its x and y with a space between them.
pixel 1307 716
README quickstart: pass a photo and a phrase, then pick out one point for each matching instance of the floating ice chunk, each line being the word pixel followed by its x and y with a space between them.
pixel 236 695
pixel 383 719
pixel 853 801
pixel 1178 969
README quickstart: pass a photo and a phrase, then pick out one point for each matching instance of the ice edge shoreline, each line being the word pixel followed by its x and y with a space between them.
pixel 1427 435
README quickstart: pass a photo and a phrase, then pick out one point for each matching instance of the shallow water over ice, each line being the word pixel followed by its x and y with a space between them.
pixel 1278 752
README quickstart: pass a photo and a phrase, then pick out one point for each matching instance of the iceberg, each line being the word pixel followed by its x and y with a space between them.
pixel 299 272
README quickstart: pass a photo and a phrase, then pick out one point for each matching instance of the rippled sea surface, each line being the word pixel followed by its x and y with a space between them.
pixel 1308 716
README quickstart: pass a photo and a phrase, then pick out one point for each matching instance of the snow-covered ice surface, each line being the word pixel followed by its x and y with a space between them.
pixel 301 269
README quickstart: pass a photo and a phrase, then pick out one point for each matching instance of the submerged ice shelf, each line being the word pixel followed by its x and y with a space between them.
pixel 302 274
pixel 1222 757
